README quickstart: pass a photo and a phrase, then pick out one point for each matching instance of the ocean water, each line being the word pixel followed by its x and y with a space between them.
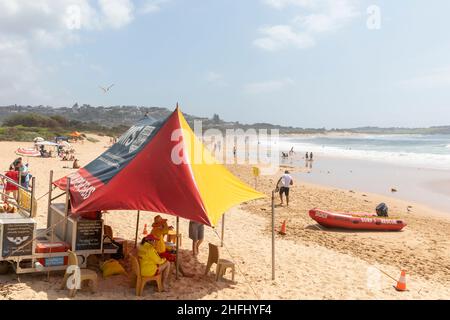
pixel 413 150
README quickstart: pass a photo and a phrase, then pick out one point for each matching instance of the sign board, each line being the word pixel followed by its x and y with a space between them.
pixel 89 235
pixel 16 239
pixel 55 261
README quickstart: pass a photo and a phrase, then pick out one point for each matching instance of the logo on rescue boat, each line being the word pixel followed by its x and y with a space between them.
pixel 321 215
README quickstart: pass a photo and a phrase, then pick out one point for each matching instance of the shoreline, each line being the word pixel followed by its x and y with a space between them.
pixel 427 187
pixel 421 208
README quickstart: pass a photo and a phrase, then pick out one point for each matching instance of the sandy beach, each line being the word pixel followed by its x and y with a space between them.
pixel 311 262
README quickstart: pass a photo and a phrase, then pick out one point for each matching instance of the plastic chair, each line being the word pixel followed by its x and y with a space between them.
pixel 108 238
pixel 107 231
pixel 222 264
pixel 139 281
pixel 85 275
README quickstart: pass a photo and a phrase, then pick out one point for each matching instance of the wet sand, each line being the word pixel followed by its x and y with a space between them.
pixel 427 186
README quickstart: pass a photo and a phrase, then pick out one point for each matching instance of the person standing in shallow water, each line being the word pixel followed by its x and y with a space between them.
pixel 306 156
pixel 310 156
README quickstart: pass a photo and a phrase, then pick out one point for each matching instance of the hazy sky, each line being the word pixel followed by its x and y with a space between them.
pixel 308 63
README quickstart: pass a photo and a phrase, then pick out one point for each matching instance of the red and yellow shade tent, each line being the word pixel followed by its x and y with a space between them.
pixel 163 168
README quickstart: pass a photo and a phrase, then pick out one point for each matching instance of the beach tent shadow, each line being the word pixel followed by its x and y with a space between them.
pixel 118 287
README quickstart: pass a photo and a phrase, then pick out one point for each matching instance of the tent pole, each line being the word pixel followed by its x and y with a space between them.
pixel 177 261
pixel 223 230
pixel 137 228
pixel 273 234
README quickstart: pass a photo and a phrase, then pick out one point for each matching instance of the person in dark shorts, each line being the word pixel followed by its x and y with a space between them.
pixel 283 185
pixel 196 234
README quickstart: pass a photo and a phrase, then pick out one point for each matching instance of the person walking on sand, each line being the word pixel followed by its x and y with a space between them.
pixel 196 234
pixel 286 182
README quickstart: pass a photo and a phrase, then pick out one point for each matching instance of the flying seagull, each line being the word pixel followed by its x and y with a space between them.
pixel 105 90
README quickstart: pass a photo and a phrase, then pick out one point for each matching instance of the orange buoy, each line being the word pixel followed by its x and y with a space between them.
pixel 283 228
pixel 401 283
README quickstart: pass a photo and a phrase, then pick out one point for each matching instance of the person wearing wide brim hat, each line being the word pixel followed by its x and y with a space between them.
pixel 159 229
pixel 158 221
pixel 150 261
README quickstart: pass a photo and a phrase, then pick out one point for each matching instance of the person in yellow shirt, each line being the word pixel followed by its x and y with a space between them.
pixel 160 229
pixel 150 261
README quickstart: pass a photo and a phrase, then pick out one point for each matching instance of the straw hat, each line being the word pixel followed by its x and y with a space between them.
pixel 158 221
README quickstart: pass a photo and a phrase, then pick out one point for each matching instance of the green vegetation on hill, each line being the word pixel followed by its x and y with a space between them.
pixel 27 126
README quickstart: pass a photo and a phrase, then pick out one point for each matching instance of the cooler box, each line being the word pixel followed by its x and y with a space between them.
pixel 52 247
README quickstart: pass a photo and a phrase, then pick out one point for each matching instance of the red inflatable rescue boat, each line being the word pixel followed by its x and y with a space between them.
pixel 355 221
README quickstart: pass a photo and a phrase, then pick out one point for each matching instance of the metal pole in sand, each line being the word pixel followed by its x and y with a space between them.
pixel 177 261
pixel 273 234
pixel 49 199
pixel 223 230
pixel 33 185
pixel 137 227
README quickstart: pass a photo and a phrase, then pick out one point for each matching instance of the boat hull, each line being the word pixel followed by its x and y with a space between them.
pixel 355 221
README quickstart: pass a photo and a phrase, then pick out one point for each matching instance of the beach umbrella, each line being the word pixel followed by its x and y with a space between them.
pixel 64 144
pixel 28 152
pixel 46 143
pixel 159 168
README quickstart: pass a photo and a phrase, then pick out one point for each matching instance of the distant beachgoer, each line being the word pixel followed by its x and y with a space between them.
pixel 306 156
pixel 310 156
pixel 9 187
pixel 196 234
pixel 286 182
pixel 25 176
pixel 234 151
pixel 76 165
pixel 17 163
pixel 291 152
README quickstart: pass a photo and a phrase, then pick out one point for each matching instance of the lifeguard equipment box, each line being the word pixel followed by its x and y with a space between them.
pixel 16 235
pixel 83 235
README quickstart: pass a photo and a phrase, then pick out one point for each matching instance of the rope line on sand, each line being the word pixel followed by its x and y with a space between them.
pixel 42 196
pixel 239 269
